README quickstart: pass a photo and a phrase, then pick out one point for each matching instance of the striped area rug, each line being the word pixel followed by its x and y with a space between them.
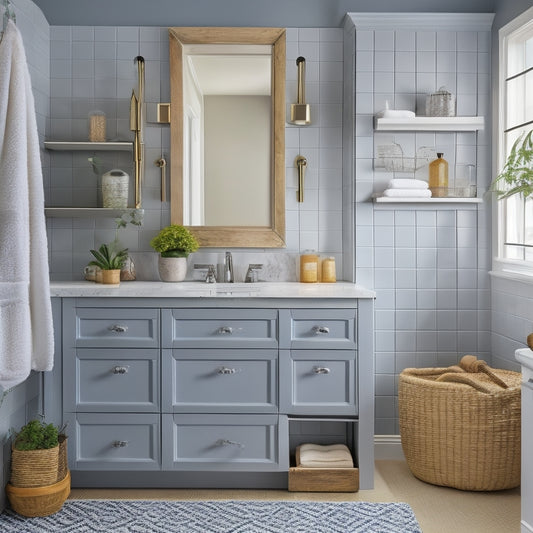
pixel 220 516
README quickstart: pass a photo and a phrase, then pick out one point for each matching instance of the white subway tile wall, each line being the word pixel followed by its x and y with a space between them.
pixel 424 263
pixel 92 68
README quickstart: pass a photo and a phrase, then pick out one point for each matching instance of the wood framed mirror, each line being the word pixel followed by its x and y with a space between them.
pixel 228 193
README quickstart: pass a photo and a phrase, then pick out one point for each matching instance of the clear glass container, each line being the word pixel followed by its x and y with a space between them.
pixel 309 267
pixel 97 126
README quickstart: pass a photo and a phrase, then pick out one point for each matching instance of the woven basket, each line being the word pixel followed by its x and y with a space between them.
pixel 460 426
pixel 62 460
pixel 34 468
pixel 39 501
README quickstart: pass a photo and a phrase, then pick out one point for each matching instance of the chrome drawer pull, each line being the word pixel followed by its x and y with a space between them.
pixel 321 370
pixel 117 328
pixel 226 371
pixel 225 330
pixel 321 330
pixel 530 380
pixel 226 442
pixel 120 369
pixel 120 443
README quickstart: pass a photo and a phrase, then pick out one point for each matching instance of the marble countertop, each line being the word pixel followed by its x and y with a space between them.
pixel 156 289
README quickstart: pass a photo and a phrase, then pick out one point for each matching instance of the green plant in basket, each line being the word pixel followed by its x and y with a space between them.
pixel 174 241
pixel 516 176
pixel 36 435
pixel 107 258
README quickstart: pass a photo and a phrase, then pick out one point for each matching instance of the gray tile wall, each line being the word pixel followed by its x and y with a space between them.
pixel 93 68
pixel 429 266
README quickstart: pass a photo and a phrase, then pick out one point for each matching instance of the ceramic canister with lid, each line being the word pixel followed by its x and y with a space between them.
pixel 115 189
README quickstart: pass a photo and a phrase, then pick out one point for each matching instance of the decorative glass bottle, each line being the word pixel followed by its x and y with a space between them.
pixel 438 177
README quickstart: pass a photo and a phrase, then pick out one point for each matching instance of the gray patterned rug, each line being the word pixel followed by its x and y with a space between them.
pixel 142 516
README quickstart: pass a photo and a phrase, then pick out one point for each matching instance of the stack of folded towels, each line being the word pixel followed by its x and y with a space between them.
pixel 407 188
pixel 319 456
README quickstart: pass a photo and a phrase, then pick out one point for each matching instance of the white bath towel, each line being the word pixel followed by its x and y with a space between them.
pixel 325 456
pixel 407 183
pixel 407 193
pixel 26 334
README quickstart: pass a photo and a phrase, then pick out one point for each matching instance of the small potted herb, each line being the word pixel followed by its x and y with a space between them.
pixel 174 244
pixel 110 260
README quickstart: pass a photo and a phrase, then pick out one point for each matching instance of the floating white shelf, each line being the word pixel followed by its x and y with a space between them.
pixel 87 212
pixel 430 124
pixel 390 200
pixel 89 146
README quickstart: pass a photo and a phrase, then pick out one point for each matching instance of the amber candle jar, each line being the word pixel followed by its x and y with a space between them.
pixel 328 270
pixel 308 267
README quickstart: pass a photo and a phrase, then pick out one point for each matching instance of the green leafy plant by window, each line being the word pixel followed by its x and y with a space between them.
pixel 174 241
pixel 107 258
pixel 36 435
pixel 516 176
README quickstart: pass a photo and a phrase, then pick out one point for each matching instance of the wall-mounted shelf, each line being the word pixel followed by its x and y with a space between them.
pixel 71 146
pixel 88 212
pixel 430 124
pixel 390 200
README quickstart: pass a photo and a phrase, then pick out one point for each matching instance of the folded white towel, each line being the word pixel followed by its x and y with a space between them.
pixel 329 456
pixel 406 183
pixel 407 193
pixel 395 113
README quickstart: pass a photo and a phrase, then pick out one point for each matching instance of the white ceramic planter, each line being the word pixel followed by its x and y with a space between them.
pixel 172 268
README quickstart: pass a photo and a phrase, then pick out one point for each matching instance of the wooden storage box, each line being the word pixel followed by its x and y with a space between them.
pixel 322 479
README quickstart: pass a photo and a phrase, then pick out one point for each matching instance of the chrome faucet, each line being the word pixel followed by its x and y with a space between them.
pixel 252 274
pixel 228 268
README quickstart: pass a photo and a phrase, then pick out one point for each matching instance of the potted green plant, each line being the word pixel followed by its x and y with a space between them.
pixel 40 480
pixel 174 244
pixel 110 260
pixel 516 176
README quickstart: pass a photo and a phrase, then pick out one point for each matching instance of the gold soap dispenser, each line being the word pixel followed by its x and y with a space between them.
pixel 438 177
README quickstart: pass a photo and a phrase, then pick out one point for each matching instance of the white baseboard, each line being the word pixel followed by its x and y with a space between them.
pixel 388 447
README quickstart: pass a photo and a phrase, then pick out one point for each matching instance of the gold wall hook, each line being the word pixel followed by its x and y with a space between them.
pixel 301 112
pixel 162 164
pixel 301 164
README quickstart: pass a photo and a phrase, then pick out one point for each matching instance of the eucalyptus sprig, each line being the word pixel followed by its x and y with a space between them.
pixel 516 176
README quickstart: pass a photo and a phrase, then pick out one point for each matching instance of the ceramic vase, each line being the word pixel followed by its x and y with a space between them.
pixel 172 268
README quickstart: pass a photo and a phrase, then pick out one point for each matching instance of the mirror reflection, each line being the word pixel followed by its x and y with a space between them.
pixel 227 134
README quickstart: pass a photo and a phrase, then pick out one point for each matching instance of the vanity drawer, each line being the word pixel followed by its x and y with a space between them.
pixel 117 328
pixel 112 380
pixel 318 382
pixel 114 441
pixel 220 328
pixel 317 328
pixel 220 381
pixel 225 442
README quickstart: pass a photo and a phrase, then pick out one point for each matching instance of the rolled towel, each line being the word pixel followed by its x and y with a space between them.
pixel 331 456
pixel 406 183
pixel 407 193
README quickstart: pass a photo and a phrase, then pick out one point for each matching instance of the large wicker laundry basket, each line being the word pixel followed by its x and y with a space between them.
pixel 460 426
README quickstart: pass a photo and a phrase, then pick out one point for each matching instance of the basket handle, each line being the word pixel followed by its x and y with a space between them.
pixel 464 378
pixel 471 363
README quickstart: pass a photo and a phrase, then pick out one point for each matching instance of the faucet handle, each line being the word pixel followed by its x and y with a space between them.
pixel 211 275
pixel 252 272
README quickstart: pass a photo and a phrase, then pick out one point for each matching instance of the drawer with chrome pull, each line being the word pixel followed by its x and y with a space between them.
pixel 120 328
pixel 220 328
pixel 317 328
pixel 112 380
pixel 111 441
pixel 318 382
pixel 225 442
pixel 217 381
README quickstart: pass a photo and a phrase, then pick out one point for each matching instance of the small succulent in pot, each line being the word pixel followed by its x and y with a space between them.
pixel 174 241
pixel 107 258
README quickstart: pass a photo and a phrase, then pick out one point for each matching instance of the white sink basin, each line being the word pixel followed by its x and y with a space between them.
pixel 525 357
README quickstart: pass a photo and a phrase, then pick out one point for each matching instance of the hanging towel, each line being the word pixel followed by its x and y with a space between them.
pixel 26 331
pixel 407 183
pixel 407 193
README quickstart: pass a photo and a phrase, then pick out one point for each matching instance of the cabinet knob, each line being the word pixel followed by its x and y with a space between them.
pixel 120 443
pixel 225 370
pixel 226 442
pixel 120 369
pixel 321 370
pixel 225 330
pixel 530 380
pixel 321 330
pixel 118 328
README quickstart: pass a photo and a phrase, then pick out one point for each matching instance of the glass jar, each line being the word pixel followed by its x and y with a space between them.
pixel 328 270
pixel 309 267
pixel 97 126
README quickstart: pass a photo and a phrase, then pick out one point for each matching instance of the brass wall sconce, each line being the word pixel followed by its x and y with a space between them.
pixel 301 164
pixel 301 112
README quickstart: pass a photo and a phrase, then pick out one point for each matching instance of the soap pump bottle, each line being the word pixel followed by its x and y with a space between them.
pixel 438 177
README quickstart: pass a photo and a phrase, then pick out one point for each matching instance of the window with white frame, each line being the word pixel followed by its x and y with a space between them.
pixel 515 214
